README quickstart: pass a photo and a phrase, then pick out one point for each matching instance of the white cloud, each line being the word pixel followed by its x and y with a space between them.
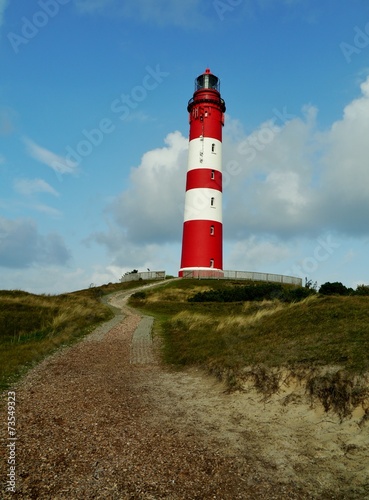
pixel 45 209
pixel 287 189
pixel 347 149
pixel 298 181
pixel 254 253
pixel 55 162
pixel 270 191
pixel 344 179
pixel 101 274
pixel 152 208
pixel 29 187
pixel 3 6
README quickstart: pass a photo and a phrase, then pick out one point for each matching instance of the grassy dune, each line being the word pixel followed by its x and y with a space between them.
pixel 317 330
pixel 305 336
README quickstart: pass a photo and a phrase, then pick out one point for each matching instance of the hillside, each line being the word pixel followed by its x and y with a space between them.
pixel 321 339
pixel 33 326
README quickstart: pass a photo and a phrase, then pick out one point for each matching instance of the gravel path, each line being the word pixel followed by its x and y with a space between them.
pixel 142 344
pixel 103 420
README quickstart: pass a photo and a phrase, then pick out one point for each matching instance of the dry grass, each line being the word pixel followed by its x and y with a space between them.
pixel 316 331
pixel 326 338
pixel 32 326
pixel 173 294
pixel 251 314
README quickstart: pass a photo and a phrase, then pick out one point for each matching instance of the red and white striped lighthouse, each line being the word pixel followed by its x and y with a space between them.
pixel 202 242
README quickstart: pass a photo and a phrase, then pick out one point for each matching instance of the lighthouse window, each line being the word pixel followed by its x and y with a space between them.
pixel 213 148
pixel 212 230
pixel 212 175
pixel 212 202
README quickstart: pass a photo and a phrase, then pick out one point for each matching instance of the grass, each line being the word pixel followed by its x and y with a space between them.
pixel 317 332
pixel 33 326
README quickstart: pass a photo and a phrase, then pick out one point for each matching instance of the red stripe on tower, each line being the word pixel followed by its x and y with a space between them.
pixel 202 241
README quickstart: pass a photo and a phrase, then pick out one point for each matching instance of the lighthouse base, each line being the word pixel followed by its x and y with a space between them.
pixel 200 272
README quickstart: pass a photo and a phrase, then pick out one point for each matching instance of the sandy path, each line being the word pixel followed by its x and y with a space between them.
pixel 103 419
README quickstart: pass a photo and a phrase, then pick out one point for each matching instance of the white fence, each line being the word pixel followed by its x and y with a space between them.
pixel 149 275
pixel 254 276
pixel 245 275
pixel 234 275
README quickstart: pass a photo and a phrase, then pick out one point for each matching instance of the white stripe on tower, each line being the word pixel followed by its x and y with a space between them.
pixel 202 241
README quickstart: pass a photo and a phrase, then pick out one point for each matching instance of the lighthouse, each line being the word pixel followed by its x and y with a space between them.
pixel 202 241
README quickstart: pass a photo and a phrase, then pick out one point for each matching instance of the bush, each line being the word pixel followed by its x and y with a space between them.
pixel 362 290
pixel 265 291
pixel 336 288
pixel 299 293
pixel 139 295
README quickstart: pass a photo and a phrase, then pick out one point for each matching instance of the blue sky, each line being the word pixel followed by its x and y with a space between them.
pixel 94 128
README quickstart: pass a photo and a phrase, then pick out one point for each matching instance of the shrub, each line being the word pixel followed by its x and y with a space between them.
pixel 336 288
pixel 139 295
pixel 299 293
pixel 265 291
pixel 362 290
